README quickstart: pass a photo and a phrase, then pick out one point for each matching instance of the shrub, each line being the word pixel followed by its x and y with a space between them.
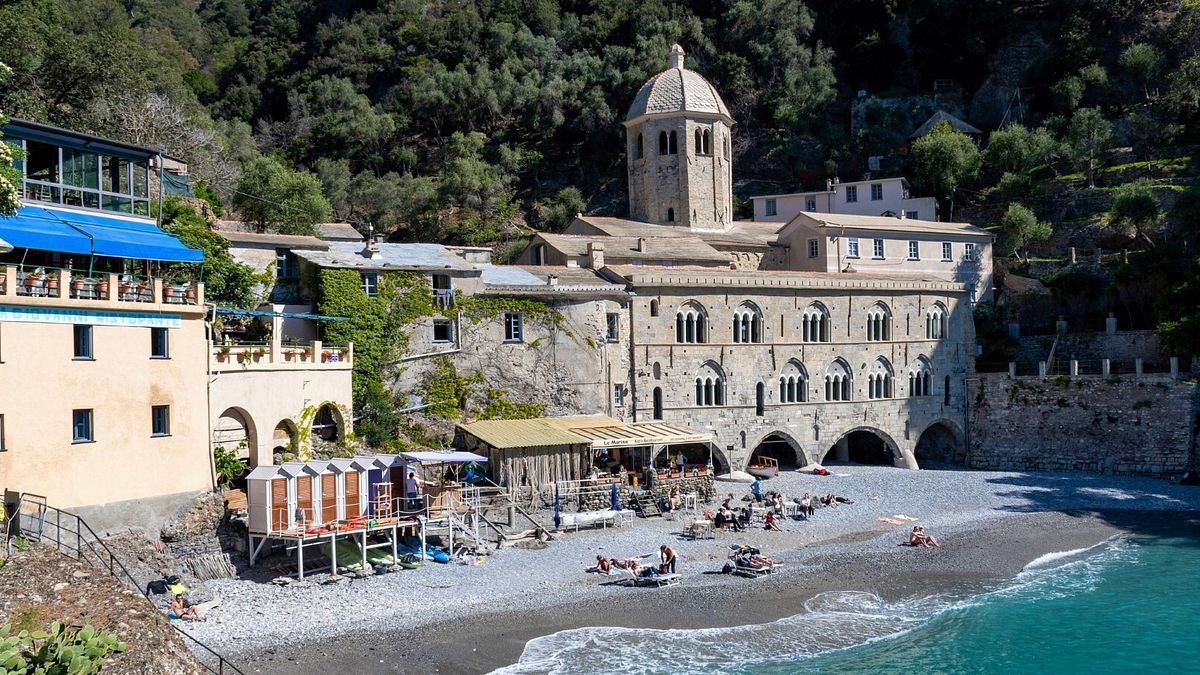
pixel 63 650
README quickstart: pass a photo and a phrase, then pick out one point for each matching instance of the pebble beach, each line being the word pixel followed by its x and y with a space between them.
pixel 457 618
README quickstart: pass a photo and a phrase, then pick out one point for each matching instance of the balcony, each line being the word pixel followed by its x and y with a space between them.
pixel 314 355
pixel 61 287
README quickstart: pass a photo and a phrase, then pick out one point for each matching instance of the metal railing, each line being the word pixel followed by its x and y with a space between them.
pixel 76 538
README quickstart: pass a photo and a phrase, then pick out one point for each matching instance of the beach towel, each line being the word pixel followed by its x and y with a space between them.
pixel 890 521
pixel 901 516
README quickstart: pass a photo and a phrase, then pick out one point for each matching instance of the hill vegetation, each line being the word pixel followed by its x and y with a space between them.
pixel 475 121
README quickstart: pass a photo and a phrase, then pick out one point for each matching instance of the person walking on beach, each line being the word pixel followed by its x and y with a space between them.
pixel 756 488
pixel 667 555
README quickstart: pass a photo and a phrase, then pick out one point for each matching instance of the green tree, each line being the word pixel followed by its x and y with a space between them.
pixel 1018 150
pixel 555 213
pixel 1183 92
pixel 1020 228
pixel 10 177
pixel 944 158
pixel 273 197
pixel 1135 211
pixel 1141 63
pixel 227 282
pixel 1090 136
pixel 1180 309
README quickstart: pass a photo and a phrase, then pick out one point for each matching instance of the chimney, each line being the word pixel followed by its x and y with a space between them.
pixel 641 245
pixel 837 180
pixel 552 279
pixel 901 214
pixel 371 250
pixel 828 185
pixel 596 253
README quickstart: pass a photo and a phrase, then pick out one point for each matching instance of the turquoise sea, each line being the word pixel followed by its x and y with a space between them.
pixel 1131 604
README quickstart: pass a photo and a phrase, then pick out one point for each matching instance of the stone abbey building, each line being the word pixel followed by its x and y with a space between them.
pixel 829 337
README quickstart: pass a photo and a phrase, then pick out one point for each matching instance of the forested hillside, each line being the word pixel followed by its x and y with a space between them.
pixel 472 122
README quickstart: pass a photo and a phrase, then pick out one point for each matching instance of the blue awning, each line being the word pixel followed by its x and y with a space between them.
pixel 232 311
pixel 46 229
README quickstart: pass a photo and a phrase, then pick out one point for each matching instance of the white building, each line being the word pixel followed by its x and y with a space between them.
pixel 875 197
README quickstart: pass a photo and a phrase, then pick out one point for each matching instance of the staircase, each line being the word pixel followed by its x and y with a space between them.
pixel 647 506
pixel 498 519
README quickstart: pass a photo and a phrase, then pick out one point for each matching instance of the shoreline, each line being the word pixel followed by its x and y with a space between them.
pixel 974 557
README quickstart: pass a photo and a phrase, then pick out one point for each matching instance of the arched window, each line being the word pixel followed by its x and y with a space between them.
pixel 815 323
pixel 879 323
pixel 670 215
pixel 760 399
pixel 654 308
pixel 837 381
pixel 747 323
pixel 672 144
pixel 691 324
pixel 657 414
pixel 638 150
pixel 707 142
pixel 793 383
pixel 710 385
pixel 880 379
pixel 698 143
pixel 920 378
pixel 935 322
pixel 663 146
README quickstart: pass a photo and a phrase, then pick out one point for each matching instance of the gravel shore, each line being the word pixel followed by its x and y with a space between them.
pixel 452 618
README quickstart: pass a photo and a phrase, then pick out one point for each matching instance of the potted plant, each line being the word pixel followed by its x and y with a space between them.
pixel 189 293
pixel 171 292
pixel 32 280
pixel 223 353
pixel 52 283
pixel 243 356
pixel 259 354
pixel 289 355
pixel 102 288
pixel 343 353
pixel 306 355
pixel 77 283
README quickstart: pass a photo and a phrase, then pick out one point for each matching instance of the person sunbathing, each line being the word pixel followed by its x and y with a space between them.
pixel 771 523
pixel 828 500
pixel 603 565
pixel 176 610
pixel 764 560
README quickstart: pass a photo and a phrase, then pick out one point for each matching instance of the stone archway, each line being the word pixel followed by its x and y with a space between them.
pixel 285 438
pixel 865 445
pixel 235 431
pixel 328 423
pixel 941 446
pixel 780 446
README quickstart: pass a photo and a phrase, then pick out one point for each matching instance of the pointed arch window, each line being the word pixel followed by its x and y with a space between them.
pixel 935 322
pixel 691 324
pixel 815 323
pixel 672 144
pixel 793 383
pixel 707 142
pixel 710 385
pixel 837 382
pixel 663 144
pixel 637 151
pixel 698 143
pixel 879 323
pixel 747 324
pixel 880 380
pixel 920 378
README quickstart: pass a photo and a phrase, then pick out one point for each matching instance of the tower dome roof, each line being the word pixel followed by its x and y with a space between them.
pixel 677 89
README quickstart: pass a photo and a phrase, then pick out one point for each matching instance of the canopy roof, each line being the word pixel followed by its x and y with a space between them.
pixel 595 431
pixel 442 457
pixel 230 311
pixel 64 231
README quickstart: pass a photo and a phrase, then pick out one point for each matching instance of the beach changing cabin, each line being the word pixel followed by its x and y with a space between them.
pixel 324 507
pixel 381 487
pixel 351 486
pixel 267 500
pixel 302 484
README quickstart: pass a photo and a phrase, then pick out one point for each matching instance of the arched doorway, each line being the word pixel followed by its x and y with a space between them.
pixel 283 439
pixel 781 448
pixel 328 424
pixel 940 447
pixel 864 446
pixel 694 453
pixel 235 431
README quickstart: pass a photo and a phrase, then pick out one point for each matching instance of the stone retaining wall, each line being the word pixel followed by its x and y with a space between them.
pixel 1118 425
pixel 701 486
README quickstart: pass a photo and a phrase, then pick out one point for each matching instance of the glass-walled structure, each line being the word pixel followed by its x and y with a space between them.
pixel 65 168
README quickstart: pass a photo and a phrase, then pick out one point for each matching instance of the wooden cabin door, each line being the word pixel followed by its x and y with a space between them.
pixel 352 494
pixel 279 510
pixel 328 498
pixel 304 497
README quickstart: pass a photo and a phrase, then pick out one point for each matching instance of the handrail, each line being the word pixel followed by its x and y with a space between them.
pixel 114 564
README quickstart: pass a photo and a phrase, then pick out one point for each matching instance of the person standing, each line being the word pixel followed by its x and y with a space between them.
pixel 412 490
pixel 667 555
pixel 681 461
pixel 756 488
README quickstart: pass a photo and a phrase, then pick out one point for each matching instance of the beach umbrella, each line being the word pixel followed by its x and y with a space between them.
pixel 616 505
pixel 557 507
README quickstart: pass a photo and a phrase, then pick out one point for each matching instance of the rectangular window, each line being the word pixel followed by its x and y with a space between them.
pixel 771 207
pixel 160 420
pixel 512 327
pixel 810 204
pixel 852 247
pixel 613 329
pixel 370 283
pixel 83 341
pixel 160 343
pixel 814 248
pixel 3 446
pixel 876 191
pixel 81 426
pixel 914 251
pixel 968 252
pixel 285 265
pixel 851 194
pixel 877 249
pixel 618 394
pixel 912 215
pixel 947 251
pixel 443 330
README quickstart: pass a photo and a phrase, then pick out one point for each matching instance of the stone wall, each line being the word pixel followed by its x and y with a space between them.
pixel 1121 347
pixel 701 486
pixel 1118 425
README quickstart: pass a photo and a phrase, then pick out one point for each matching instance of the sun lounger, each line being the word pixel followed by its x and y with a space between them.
pixel 584 518
pixel 657 580
pixel 756 572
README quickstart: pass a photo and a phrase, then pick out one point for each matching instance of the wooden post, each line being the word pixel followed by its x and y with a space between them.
pixel 300 557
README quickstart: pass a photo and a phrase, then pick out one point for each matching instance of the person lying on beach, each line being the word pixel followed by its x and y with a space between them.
pixel 843 500
pixel 764 561
pixel 828 500
pixel 919 537
pixel 771 523
pixel 176 610
pixel 603 564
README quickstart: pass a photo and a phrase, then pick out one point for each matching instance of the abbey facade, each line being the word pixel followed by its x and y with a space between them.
pixel 824 338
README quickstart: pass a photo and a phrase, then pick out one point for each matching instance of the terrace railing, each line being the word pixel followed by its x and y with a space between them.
pixel 64 284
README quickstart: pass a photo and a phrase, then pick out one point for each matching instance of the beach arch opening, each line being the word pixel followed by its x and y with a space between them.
pixel 940 446
pixel 781 448
pixel 864 446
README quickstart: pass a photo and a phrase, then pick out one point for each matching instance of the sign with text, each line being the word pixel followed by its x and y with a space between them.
pixel 90 317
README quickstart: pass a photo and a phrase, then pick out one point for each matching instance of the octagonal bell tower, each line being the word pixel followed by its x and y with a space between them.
pixel 679 151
